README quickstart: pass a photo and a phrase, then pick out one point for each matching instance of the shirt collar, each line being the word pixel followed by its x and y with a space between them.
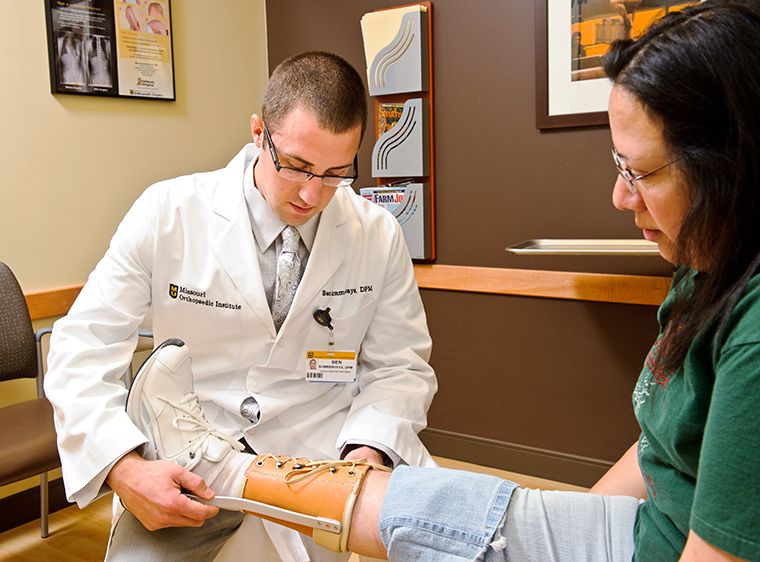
pixel 265 223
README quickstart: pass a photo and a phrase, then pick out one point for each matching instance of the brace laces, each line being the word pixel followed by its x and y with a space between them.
pixel 304 468
pixel 195 422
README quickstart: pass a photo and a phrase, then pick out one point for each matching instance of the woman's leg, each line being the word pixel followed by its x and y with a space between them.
pixel 440 515
pixel 445 516
pixel 364 537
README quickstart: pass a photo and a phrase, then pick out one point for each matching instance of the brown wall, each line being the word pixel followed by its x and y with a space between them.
pixel 525 380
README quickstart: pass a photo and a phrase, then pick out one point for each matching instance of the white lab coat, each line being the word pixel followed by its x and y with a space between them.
pixel 194 232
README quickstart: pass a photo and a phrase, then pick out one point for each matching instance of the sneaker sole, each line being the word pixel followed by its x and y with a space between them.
pixel 133 406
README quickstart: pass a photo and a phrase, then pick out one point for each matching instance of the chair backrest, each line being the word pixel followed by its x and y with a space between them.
pixel 18 349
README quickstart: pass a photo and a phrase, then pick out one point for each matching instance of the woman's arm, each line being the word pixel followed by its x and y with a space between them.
pixel 699 550
pixel 624 478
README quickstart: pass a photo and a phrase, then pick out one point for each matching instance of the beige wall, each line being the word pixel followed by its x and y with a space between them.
pixel 70 166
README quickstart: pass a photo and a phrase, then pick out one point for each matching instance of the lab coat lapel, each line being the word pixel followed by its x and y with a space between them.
pixel 234 245
pixel 327 253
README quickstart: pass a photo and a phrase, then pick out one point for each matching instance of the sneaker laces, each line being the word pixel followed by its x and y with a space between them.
pixel 195 421
pixel 304 468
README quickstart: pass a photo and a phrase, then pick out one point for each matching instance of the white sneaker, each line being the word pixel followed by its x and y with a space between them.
pixel 164 406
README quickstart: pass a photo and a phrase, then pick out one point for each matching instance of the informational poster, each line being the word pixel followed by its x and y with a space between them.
pixel 111 48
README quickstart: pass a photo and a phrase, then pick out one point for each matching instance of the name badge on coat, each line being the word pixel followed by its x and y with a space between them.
pixel 331 366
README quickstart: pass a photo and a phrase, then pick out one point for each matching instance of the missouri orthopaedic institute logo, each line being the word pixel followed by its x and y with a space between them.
pixel 199 298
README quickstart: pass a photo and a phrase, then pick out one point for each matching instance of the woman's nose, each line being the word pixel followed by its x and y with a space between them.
pixel 624 199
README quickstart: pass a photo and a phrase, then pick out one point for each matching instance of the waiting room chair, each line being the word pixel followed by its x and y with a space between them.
pixel 144 343
pixel 27 433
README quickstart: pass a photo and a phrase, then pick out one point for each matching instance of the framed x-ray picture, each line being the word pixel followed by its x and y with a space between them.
pixel 117 48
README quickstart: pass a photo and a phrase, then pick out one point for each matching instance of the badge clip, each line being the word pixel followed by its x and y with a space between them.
pixel 323 318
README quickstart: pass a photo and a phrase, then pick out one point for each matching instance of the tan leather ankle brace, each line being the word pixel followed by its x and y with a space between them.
pixel 325 488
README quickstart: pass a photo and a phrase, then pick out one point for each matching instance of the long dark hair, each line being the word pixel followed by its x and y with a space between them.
pixel 698 72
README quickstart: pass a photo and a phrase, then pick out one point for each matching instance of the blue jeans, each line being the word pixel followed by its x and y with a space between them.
pixel 439 515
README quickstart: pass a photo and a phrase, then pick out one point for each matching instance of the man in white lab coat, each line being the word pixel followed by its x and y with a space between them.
pixel 200 254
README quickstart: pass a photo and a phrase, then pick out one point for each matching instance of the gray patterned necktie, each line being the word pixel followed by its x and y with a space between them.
pixel 288 275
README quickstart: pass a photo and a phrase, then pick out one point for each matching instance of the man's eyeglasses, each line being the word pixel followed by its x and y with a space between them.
pixel 294 174
pixel 629 176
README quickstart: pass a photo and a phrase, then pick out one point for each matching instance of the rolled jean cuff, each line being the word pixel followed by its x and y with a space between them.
pixel 439 515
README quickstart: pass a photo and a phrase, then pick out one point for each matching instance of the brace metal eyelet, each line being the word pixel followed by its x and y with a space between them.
pixel 351 472
pixel 332 470
pixel 297 466
pixel 278 464
pixel 259 463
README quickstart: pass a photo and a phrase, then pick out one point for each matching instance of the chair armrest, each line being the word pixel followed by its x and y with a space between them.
pixel 38 335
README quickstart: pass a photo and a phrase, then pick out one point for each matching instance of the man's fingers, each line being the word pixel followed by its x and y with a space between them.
pixel 187 508
pixel 193 483
pixel 195 511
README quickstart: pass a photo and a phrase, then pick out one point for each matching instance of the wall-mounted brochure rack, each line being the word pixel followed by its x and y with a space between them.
pixel 409 203
pixel 398 50
pixel 402 150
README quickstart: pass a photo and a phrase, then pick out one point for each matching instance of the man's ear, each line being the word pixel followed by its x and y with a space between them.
pixel 257 130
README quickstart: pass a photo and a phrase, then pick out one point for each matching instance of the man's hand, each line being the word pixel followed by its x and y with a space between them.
pixel 151 491
pixel 364 452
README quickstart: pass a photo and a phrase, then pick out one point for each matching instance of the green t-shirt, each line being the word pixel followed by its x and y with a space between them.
pixel 699 449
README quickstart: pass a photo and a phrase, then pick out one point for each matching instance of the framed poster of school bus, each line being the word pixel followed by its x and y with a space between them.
pixel 571 38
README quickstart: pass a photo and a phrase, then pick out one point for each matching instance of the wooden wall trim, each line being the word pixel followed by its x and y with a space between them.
pixel 543 463
pixel 568 285
pixel 53 302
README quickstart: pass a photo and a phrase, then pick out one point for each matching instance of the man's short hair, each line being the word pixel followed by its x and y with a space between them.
pixel 323 83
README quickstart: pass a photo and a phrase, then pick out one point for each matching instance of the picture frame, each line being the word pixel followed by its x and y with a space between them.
pixel 111 48
pixel 571 37
pixel 559 101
